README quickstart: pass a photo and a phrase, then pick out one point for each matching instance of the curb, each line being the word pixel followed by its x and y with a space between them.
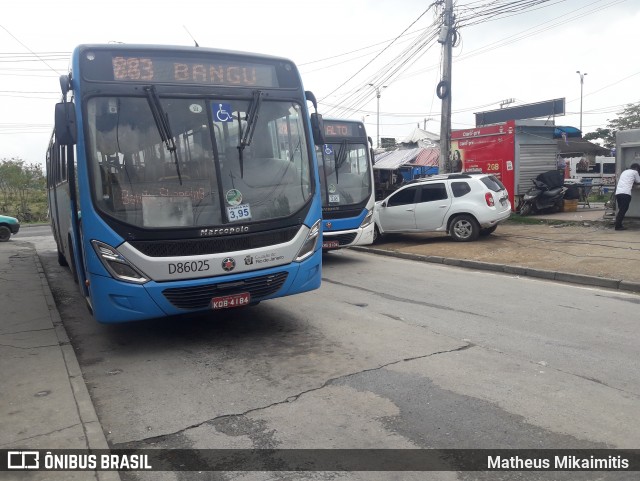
pixel 84 405
pixel 565 277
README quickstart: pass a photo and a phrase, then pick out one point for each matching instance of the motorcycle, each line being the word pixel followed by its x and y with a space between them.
pixel 546 194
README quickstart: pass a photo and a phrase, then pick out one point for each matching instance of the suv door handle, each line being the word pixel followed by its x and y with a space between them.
pixel 411 210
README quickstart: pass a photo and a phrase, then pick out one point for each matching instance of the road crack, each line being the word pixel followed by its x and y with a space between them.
pixel 390 297
pixel 161 439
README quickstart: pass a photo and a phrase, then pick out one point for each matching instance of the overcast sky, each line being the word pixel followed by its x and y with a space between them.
pixel 340 46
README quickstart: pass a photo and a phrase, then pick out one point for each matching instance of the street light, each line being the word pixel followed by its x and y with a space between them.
pixel 378 121
pixel 582 75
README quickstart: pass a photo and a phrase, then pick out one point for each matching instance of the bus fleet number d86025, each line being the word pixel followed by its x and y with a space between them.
pixel 184 267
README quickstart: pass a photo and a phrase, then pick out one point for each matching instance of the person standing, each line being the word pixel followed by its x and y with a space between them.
pixel 627 178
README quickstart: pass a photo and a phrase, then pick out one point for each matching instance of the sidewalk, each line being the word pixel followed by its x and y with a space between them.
pixel 44 402
pixel 578 247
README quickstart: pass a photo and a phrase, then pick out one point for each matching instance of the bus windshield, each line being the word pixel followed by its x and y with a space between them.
pixel 226 161
pixel 345 173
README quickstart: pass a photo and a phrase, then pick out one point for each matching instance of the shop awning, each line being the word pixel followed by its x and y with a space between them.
pixel 577 147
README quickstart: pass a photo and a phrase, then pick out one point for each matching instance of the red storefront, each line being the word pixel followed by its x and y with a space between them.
pixel 514 151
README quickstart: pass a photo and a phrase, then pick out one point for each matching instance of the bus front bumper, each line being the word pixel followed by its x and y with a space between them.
pixel 114 301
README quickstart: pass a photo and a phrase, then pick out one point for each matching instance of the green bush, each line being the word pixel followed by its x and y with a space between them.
pixel 23 190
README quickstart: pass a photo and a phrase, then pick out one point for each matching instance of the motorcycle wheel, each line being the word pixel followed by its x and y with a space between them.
pixel 525 209
pixel 559 205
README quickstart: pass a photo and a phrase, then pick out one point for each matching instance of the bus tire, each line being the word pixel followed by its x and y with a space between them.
pixel 72 262
pixel 61 259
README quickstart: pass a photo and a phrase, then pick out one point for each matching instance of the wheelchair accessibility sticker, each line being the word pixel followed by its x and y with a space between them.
pixel 328 149
pixel 222 112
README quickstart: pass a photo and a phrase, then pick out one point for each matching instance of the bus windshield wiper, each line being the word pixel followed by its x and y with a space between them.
pixel 341 156
pixel 161 118
pixel 252 120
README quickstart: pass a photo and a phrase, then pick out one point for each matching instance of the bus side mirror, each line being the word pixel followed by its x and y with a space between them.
pixel 65 128
pixel 317 129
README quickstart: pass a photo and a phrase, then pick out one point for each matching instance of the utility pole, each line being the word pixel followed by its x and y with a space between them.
pixel 581 87
pixel 378 115
pixel 444 87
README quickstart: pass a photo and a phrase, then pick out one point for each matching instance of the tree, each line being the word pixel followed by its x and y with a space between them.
pixel 607 136
pixel 629 118
pixel 21 183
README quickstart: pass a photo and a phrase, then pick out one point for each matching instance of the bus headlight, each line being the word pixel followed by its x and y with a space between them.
pixel 367 219
pixel 309 245
pixel 117 265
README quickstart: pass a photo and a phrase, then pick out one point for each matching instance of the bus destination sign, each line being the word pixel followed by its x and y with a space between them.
pixel 340 129
pixel 187 71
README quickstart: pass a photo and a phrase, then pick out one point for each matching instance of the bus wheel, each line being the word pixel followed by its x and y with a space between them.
pixel 5 233
pixel 72 263
pixel 61 260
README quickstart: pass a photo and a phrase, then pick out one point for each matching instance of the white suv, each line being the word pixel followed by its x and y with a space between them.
pixel 466 205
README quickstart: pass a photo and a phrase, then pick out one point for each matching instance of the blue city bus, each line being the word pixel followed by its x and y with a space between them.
pixel 345 168
pixel 183 180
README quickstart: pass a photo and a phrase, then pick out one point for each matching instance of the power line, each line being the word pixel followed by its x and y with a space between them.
pixel 17 40
pixel 380 53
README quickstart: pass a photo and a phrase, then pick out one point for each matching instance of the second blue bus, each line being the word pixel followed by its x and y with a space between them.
pixel 345 164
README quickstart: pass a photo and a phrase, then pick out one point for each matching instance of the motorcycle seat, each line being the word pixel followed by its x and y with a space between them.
pixel 553 192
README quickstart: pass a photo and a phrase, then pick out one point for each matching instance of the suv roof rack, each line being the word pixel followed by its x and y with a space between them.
pixel 453 175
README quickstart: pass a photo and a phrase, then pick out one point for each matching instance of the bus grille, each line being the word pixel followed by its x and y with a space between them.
pixel 343 239
pixel 199 297
pixel 341 214
pixel 214 245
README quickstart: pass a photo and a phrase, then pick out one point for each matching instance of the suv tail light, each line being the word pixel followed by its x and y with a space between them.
pixel 488 197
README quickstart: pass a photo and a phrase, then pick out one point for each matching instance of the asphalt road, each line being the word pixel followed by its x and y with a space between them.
pixel 389 353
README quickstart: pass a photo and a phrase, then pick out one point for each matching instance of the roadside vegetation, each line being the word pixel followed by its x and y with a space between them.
pixel 23 190
pixel 629 118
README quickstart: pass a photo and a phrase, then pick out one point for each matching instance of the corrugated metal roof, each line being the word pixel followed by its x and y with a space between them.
pixel 428 157
pixel 397 158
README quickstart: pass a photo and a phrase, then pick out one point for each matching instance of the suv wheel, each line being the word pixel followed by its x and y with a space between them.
pixel 464 228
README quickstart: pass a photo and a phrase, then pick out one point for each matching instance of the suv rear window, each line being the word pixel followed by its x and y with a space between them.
pixel 460 188
pixel 492 183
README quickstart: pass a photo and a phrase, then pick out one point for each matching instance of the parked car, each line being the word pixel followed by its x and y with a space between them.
pixel 466 205
pixel 8 226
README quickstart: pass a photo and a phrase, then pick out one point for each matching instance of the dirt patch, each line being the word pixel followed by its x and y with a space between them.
pixel 588 249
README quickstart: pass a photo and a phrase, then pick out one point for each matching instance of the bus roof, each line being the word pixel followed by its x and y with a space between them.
pixel 174 49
